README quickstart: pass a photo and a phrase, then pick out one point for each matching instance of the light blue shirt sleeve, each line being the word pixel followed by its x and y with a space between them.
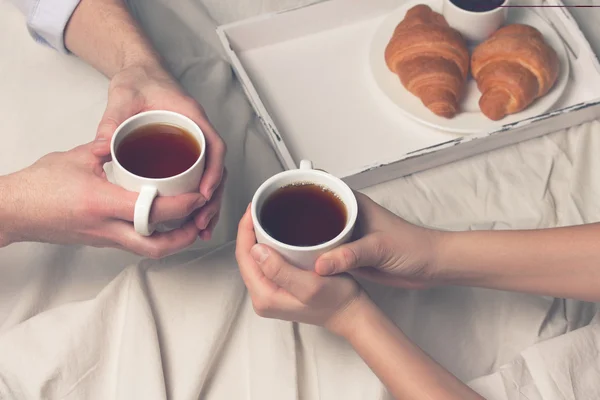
pixel 47 20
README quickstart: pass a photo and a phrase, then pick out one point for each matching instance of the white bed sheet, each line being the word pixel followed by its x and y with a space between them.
pixel 78 323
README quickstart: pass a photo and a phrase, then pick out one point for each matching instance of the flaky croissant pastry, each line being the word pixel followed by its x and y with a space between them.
pixel 430 58
pixel 513 67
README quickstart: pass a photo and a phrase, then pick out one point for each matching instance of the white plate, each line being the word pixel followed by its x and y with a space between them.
pixel 470 119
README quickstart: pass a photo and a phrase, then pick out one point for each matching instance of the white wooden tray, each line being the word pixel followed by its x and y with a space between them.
pixel 306 73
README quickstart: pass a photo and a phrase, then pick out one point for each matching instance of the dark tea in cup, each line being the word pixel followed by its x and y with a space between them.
pixel 158 151
pixel 303 214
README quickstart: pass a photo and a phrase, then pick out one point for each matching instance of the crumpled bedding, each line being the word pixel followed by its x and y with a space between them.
pixel 84 323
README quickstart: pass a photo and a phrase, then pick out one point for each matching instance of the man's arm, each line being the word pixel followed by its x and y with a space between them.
pixel 103 33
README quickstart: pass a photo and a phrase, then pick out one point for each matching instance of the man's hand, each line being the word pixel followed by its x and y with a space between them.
pixel 104 34
pixel 64 198
pixel 136 89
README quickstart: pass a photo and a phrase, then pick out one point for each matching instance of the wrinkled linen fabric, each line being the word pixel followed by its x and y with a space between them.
pixel 84 323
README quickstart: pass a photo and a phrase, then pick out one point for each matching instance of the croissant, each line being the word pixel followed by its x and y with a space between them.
pixel 430 58
pixel 513 67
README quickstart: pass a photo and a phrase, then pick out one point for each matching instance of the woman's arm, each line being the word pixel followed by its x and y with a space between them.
pixel 406 371
pixel 280 290
pixel 559 262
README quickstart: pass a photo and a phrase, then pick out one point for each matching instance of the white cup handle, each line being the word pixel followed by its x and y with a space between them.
pixel 306 164
pixel 141 214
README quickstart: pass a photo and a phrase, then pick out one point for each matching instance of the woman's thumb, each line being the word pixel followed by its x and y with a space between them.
pixel 365 252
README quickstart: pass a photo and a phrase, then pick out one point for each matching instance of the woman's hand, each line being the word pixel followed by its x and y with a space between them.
pixel 282 291
pixel 137 89
pixel 64 198
pixel 389 251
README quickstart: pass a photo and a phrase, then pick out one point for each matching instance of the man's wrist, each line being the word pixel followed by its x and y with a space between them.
pixel 145 59
pixel 139 57
pixel 104 34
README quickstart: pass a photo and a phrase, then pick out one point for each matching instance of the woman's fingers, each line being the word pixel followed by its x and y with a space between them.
pixel 267 298
pixel 252 275
pixel 301 284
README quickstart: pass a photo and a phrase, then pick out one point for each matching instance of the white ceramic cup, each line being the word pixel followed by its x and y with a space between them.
pixel 475 26
pixel 304 257
pixel 148 188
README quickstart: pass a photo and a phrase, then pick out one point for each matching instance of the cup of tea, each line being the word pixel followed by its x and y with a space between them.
pixel 476 20
pixel 303 213
pixel 157 153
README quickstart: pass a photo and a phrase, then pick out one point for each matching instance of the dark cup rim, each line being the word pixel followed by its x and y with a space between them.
pixel 501 5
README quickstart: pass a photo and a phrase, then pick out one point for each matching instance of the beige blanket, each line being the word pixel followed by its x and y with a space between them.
pixel 82 323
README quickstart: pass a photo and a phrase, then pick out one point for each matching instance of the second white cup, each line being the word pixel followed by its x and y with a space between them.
pixel 475 26
pixel 300 256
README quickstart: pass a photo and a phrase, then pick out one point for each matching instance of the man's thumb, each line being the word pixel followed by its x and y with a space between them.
pixel 364 252
pixel 106 129
pixel 120 106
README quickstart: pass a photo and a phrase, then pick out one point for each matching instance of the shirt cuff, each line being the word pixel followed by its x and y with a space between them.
pixel 48 20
